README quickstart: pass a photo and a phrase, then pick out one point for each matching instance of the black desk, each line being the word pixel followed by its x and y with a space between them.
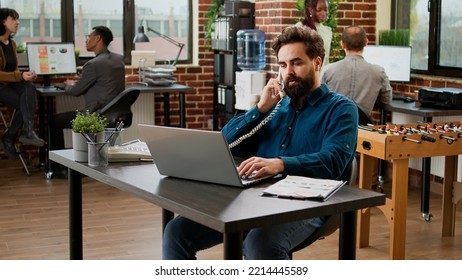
pixel 427 113
pixel 45 104
pixel 228 210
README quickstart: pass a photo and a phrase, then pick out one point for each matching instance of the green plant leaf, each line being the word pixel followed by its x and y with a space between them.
pixel 88 122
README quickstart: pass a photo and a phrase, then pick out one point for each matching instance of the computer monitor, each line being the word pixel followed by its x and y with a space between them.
pixel 51 58
pixel 395 59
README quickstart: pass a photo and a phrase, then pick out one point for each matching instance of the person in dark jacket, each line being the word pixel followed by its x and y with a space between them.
pixel 102 79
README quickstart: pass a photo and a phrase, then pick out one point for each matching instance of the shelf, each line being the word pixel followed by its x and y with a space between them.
pixel 238 15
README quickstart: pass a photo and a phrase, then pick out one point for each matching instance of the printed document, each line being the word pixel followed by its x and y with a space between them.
pixel 299 187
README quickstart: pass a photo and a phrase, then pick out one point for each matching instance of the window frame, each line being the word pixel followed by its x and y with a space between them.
pixel 433 68
pixel 129 32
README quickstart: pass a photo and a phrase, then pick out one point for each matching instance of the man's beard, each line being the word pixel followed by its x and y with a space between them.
pixel 302 88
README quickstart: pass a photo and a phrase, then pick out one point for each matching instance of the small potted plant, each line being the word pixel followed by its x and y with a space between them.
pixel 86 127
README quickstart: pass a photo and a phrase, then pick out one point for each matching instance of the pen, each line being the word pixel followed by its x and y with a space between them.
pixel 117 129
pixel 131 142
pixel 86 137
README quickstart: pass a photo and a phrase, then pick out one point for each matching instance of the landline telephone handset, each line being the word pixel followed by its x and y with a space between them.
pixel 282 95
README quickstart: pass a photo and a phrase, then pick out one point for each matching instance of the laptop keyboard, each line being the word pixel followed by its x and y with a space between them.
pixel 252 180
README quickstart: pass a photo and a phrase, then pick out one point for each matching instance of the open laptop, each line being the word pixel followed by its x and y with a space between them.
pixel 193 154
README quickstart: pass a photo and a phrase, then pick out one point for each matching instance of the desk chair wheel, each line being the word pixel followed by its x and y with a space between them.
pixel 49 175
pixel 378 187
pixel 427 217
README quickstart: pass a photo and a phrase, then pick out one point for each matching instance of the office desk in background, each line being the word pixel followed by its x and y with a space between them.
pixel 427 114
pixel 46 107
pixel 228 210
pixel 167 91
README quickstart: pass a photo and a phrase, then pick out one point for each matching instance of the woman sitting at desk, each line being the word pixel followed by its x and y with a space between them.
pixel 16 88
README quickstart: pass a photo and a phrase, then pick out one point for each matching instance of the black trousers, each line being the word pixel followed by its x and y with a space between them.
pixel 22 97
pixel 60 121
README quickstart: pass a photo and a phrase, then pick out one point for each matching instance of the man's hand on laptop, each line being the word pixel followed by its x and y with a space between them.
pixel 257 167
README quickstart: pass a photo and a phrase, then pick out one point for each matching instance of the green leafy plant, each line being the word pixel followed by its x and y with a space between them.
pixel 77 54
pixel 212 14
pixel 20 48
pixel 88 122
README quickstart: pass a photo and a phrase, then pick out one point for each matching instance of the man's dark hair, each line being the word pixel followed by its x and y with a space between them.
pixel 105 33
pixel 314 45
pixel 354 38
pixel 4 14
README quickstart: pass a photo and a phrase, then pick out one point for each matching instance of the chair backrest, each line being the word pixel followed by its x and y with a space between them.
pixel 363 117
pixel 119 109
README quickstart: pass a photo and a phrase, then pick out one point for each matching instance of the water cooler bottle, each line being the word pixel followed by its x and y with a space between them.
pixel 251 60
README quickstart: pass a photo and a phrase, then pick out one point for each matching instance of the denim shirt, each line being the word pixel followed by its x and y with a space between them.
pixel 317 140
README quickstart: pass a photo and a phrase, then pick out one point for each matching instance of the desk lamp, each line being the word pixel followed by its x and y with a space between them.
pixel 142 38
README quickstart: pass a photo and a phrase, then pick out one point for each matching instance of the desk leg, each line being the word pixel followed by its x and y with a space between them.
pixel 347 240
pixel 41 112
pixel 75 215
pixel 49 171
pixel 182 110
pixel 365 182
pixel 449 207
pixel 399 197
pixel 425 192
pixel 166 109
pixel 382 163
pixel 232 243
pixel 425 178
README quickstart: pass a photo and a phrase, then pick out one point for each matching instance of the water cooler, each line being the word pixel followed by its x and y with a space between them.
pixel 251 60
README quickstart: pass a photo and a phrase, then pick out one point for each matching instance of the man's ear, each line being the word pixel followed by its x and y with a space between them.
pixel 317 63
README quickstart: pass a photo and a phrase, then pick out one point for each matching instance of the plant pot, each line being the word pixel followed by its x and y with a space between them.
pixel 80 145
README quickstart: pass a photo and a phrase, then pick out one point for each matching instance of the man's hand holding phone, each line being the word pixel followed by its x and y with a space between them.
pixel 271 94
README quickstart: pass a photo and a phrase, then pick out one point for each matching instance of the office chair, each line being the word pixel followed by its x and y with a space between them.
pixel 119 109
pixel 363 117
pixel 6 125
pixel 332 223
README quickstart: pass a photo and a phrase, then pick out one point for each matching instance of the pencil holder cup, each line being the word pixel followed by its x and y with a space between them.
pixel 98 154
pixel 115 139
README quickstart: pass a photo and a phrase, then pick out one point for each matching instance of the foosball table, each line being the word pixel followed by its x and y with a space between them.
pixel 399 143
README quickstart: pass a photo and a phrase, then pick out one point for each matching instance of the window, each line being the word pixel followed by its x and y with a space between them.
pixel 167 18
pixel 71 20
pixel 91 13
pixel 31 14
pixel 436 28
